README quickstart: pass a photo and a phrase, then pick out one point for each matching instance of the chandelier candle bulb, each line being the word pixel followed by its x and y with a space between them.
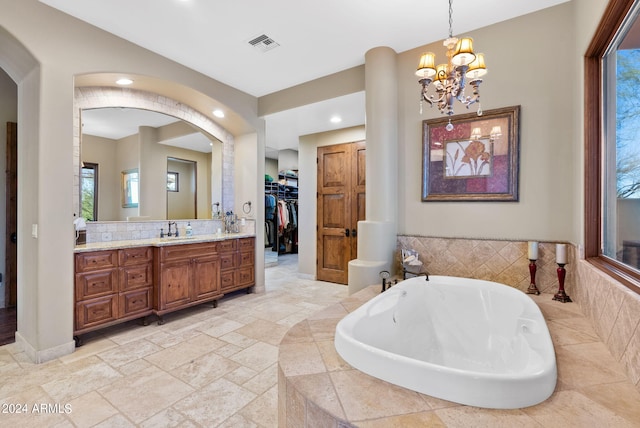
pixel 533 250
pixel 561 254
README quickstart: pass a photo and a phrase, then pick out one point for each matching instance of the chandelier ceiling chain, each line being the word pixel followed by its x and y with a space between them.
pixel 450 79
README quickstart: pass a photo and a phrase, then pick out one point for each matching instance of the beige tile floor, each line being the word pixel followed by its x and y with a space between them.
pixel 218 368
pixel 204 367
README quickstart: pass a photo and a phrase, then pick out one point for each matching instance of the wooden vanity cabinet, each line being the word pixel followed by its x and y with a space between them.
pixel 187 275
pixel 237 264
pixel 112 286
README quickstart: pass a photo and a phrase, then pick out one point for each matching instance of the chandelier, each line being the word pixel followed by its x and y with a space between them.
pixel 449 80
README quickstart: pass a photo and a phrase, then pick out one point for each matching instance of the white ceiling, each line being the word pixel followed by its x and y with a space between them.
pixel 315 39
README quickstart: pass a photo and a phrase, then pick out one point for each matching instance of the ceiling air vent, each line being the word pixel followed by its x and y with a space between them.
pixel 263 43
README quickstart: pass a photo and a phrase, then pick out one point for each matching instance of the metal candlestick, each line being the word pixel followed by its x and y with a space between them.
pixel 532 271
pixel 561 296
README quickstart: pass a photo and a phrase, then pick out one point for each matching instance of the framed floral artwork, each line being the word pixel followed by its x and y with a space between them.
pixel 470 157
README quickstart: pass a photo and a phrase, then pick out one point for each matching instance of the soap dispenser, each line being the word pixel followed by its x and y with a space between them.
pixel 188 230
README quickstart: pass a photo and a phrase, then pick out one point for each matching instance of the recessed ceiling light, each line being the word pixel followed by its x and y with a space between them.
pixel 124 81
pixel 336 119
pixel 218 113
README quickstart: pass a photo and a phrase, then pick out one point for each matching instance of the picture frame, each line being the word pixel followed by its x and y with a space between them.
pixel 173 181
pixel 476 160
pixel 130 188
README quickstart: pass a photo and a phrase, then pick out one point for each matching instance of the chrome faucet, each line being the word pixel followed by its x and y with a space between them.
pixel 169 234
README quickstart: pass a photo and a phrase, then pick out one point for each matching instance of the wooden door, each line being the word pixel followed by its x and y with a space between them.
pixel 358 169
pixel 11 237
pixel 340 204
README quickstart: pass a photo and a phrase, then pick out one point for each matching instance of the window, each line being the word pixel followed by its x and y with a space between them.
pixel 612 150
pixel 89 191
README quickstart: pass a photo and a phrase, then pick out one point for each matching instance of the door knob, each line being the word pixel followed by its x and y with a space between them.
pixel 354 232
pixel 14 237
pixel 346 233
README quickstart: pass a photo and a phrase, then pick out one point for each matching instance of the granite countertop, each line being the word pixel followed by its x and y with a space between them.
pixel 159 242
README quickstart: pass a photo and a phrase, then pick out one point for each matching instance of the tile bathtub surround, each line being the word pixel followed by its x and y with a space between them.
pixel 611 308
pixel 106 231
pixel 614 311
pixel 317 388
pixel 505 262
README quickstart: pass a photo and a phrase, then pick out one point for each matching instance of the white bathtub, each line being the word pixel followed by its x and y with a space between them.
pixel 469 341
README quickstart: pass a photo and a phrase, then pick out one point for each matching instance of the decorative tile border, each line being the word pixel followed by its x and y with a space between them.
pixel 505 262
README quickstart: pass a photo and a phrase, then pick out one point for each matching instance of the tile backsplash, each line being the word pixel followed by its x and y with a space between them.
pixel 106 231
pixel 501 261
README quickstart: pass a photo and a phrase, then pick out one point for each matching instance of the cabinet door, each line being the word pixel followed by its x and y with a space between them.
pixel 206 274
pixel 175 280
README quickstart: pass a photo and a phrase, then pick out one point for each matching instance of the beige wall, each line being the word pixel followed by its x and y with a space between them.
pixel 249 187
pixel 271 167
pixel 181 204
pixel 548 144
pixel 104 152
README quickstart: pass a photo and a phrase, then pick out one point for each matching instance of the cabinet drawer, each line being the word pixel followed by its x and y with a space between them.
pixel 135 256
pixel 96 311
pixel 228 245
pixel 95 284
pixel 227 261
pixel 247 258
pixel 228 280
pixel 96 260
pixel 133 302
pixel 136 277
pixel 186 251
pixel 246 276
pixel 246 244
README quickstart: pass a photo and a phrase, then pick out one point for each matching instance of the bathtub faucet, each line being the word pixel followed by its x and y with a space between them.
pixel 406 272
pixel 384 275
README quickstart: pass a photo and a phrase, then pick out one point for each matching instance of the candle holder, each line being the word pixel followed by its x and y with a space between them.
pixel 561 296
pixel 532 272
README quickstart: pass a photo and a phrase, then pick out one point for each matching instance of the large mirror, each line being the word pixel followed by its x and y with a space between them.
pixel 159 148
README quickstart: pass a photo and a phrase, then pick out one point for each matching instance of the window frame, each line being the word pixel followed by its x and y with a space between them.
pixel 610 23
pixel 94 167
